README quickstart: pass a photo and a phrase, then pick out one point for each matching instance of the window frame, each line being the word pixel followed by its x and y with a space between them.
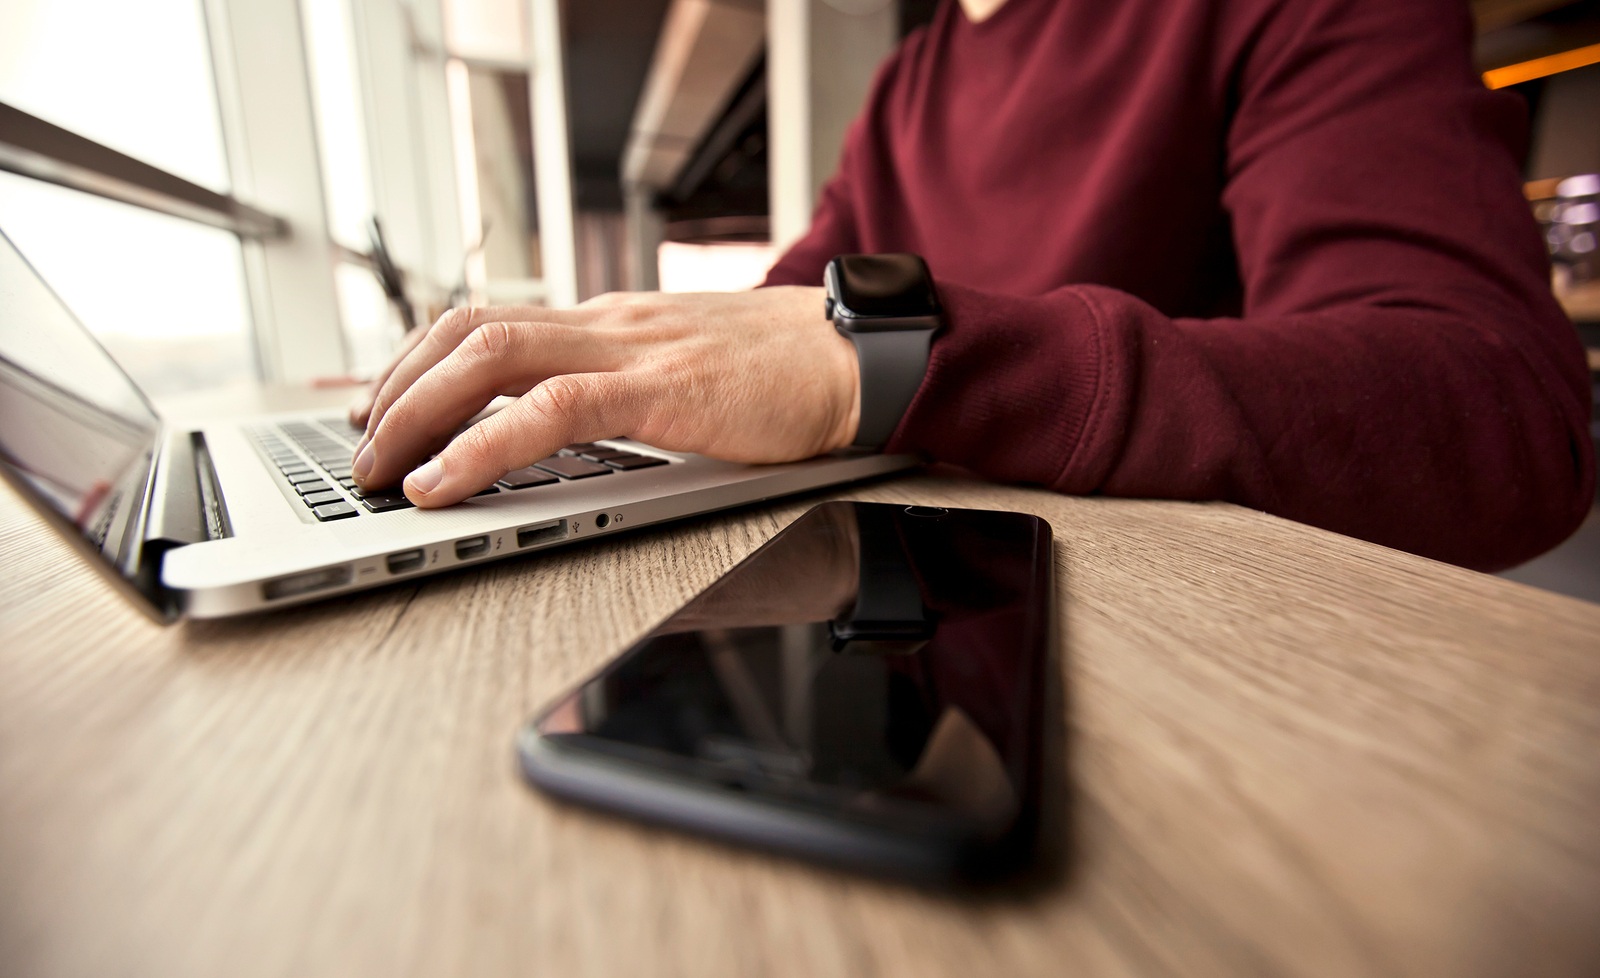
pixel 277 204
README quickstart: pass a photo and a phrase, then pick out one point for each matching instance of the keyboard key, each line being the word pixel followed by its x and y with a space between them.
pixel 322 498
pixel 335 511
pixel 295 480
pixel 307 488
pixel 383 502
pixel 602 454
pixel 485 492
pixel 341 425
pixel 568 467
pixel 580 448
pixel 524 478
pixel 339 471
pixel 628 463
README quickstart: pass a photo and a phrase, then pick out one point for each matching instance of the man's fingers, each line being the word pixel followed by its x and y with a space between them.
pixel 495 358
pixel 561 411
pixel 453 327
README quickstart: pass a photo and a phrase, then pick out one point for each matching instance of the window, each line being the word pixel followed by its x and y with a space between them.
pixel 167 296
pixel 132 76
pixel 341 124
pixel 196 177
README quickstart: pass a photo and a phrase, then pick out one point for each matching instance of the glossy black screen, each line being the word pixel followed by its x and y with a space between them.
pixel 875 658
pixel 76 435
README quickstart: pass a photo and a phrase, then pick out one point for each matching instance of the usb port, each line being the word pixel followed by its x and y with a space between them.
pixel 471 547
pixel 540 533
pixel 405 560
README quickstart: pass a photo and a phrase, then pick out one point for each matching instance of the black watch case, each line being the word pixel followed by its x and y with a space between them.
pixel 880 293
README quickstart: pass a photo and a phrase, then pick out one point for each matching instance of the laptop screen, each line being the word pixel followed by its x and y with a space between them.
pixel 76 434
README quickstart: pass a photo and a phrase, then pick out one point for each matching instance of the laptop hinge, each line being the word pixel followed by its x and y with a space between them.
pixel 175 514
pixel 213 509
pixel 187 505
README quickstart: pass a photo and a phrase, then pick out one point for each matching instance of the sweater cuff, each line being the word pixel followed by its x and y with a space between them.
pixel 1014 388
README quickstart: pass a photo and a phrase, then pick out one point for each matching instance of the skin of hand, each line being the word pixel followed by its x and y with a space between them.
pixel 758 376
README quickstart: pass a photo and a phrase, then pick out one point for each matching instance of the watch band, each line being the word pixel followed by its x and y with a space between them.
pixel 893 365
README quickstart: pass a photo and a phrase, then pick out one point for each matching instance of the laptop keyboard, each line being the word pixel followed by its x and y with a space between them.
pixel 319 474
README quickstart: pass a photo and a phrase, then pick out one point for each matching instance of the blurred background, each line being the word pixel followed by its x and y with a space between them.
pixel 198 178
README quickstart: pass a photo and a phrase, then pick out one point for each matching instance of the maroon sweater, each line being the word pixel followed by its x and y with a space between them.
pixel 1266 251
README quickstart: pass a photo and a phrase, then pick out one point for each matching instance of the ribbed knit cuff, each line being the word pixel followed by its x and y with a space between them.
pixel 1013 386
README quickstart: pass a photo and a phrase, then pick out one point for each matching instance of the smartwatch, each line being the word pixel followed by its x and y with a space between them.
pixel 887 307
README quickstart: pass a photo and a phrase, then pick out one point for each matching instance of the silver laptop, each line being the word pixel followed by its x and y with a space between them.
pixel 260 513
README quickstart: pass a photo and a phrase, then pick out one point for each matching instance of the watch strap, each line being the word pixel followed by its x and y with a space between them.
pixel 892 365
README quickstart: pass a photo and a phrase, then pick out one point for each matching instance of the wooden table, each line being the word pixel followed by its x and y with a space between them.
pixel 1286 752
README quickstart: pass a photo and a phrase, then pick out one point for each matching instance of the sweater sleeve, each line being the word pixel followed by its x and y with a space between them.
pixel 1400 371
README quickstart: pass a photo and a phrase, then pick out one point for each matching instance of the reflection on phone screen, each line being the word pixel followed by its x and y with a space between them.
pixel 871 660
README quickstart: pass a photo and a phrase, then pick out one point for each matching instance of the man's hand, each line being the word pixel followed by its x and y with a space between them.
pixel 755 376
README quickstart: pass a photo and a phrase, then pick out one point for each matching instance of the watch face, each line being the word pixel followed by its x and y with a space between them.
pixel 885 285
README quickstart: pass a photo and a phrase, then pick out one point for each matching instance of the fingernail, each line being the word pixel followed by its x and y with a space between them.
pixel 363 463
pixel 426 478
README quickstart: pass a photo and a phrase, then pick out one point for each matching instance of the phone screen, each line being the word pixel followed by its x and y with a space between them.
pixel 880 664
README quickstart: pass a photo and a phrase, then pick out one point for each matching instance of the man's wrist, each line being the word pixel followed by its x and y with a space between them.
pixel 850 423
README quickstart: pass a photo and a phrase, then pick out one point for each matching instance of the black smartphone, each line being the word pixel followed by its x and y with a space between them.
pixel 867 689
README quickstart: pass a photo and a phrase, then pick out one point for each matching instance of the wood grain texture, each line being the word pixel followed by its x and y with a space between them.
pixel 1285 753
